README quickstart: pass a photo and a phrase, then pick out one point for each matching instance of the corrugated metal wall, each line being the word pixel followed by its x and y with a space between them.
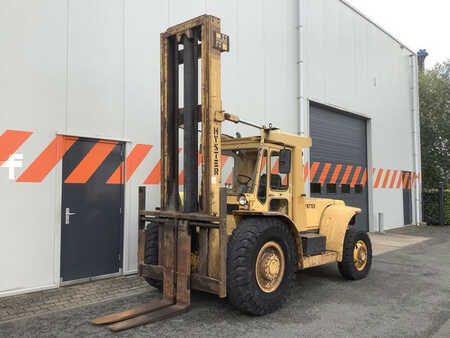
pixel 92 68
pixel 352 64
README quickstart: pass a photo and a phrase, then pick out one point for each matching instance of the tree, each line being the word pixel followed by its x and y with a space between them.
pixel 434 93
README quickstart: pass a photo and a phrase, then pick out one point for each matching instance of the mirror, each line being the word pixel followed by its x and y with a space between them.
pixel 285 161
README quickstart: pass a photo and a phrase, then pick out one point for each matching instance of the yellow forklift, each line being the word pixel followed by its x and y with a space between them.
pixel 244 238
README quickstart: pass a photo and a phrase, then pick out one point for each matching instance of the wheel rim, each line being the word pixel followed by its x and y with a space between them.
pixel 270 266
pixel 360 255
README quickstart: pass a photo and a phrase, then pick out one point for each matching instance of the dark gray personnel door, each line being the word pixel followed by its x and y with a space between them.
pixel 407 200
pixel 91 215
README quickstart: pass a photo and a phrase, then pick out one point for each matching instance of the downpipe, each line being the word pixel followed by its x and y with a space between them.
pixel 416 136
pixel 300 71
pixel 303 119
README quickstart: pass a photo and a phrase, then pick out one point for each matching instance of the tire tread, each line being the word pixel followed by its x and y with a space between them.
pixel 151 252
pixel 241 246
pixel 346 267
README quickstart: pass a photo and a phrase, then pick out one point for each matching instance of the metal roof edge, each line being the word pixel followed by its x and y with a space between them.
pixel 376 25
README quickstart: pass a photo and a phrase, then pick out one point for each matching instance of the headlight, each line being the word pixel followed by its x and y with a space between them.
pixel 242 200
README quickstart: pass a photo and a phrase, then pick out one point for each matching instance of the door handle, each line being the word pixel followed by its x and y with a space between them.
pixel 68 214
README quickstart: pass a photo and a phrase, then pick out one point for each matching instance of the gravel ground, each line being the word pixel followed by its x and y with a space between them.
pixel 407 294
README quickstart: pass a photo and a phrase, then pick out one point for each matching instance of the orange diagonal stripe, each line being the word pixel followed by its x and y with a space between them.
pixel 224 160
pixel 46 161
pixel 314 168
pixel 89 164
pixel 324 173
pixel 117 176
pixel 355 177
pixel 411 181
pixel 400 178
pixel 377 181
pixel 364 178
pixel 336 173
pixel 155 175
pixel 305 171
pixel 134 159
pixel 386 178
pixel 10 141
pixel 229 178
pixel 405 180
pixel 394 176
pixel 275 168
pixel 347 172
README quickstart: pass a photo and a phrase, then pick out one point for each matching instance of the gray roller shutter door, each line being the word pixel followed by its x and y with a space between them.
pixel 339 141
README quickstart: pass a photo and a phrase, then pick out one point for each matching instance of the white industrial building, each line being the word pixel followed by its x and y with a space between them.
pixel 79 91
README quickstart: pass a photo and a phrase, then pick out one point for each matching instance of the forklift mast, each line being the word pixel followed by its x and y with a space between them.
pixel 186 44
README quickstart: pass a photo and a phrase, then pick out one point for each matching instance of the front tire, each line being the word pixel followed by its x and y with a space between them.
pixel 356 255
pixel 151 252
pixel 261 265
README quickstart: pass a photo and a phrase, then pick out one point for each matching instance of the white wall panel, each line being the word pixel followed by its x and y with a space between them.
pixel 28 228
pixel 32 98
pixel 144 21
pixel 32 64
pixel 96 67
pixel 181 10
pixel 352 64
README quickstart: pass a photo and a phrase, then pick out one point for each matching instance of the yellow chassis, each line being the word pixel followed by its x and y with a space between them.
pixel 327 216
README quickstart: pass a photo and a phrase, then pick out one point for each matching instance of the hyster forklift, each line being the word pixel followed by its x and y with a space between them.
pixel 243 239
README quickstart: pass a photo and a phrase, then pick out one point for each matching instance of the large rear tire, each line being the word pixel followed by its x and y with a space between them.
pixel 151 252
pixel 261 265
pixel 356 256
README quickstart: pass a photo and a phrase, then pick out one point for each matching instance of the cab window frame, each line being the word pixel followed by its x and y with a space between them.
pixel 282 186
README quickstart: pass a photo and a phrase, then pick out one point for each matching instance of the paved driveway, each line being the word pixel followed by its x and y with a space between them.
pixel 407 294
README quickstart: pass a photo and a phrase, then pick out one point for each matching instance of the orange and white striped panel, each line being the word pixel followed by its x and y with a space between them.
pixel 44 163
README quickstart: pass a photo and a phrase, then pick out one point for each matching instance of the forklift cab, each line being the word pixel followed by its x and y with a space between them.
pixel 260 176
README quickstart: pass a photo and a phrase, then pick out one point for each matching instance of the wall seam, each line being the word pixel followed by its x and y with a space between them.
pixel 67 66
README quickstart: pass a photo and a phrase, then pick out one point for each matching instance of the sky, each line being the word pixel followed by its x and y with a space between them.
pixel 419 24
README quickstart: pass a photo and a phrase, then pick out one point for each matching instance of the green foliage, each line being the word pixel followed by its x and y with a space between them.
pixel 434 92
pixel 431 207
pixel 447 207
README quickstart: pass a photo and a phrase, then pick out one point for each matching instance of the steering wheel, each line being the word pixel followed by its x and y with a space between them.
pixel 245 176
